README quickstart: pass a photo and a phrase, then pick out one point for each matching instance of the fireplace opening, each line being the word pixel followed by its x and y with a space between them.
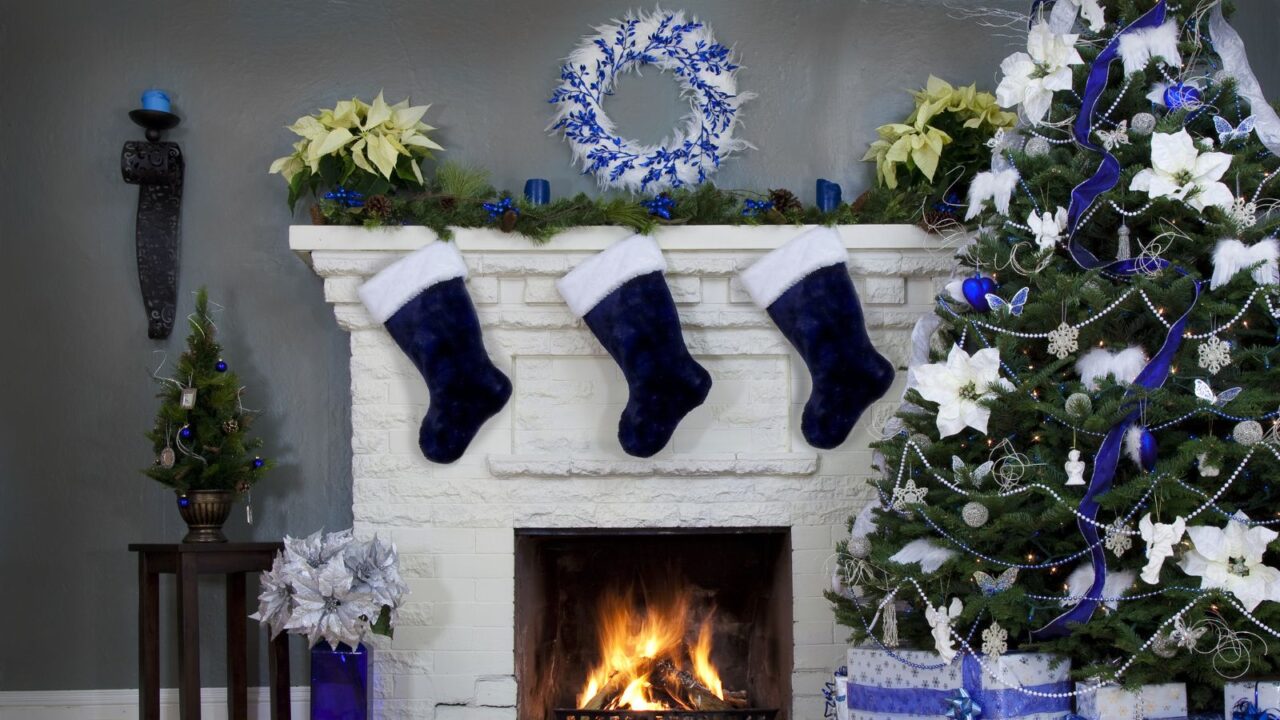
pixel 669 624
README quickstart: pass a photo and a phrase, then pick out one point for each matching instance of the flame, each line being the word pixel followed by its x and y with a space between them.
pixel 629 638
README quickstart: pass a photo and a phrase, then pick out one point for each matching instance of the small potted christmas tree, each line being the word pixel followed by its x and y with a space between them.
pixel 201 436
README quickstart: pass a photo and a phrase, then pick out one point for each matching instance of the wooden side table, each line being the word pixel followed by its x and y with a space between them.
pixel 187 562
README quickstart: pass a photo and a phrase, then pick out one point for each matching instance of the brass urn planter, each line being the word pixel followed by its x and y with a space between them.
pixel 205 512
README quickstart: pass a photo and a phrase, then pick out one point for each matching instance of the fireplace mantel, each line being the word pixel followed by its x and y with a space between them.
pixel 551 460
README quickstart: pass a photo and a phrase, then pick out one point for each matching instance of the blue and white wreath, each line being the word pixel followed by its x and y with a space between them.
pixel 705 71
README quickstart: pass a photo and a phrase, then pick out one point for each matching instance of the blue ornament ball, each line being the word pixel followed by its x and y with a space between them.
pixel 258 462
pixel 1180 95
pixel 185 432
pixel 976 289
pixel 220 366
pixel 183 501
pixel 1147 450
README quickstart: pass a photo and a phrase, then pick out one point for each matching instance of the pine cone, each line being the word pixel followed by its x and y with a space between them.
pixel 317 216
pixel 508 222
pixel 784 201
pixel 448 202
pixel 230 426
pixel 378 206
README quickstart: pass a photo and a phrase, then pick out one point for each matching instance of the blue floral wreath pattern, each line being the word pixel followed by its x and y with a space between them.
pixel 705 71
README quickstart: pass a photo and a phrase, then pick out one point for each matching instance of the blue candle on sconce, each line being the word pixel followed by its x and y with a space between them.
pixel 829 196
pixel 537 191
pixel 154 99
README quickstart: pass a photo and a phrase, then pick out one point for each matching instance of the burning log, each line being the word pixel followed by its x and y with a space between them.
pixel 737 698
pixel 616 684
pixel 684 687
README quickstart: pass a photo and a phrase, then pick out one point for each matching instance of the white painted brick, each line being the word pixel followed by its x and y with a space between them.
pixel 541 291
pixel 483 290
pixel 496 692
pixel 454 689
pixel 885 291
pixel 478 614
pixel 475 566
pixel 809 538
pixel 478 662
pixel 442 589
pixel 456 638
pixel 459 712
pixel 685 290
pixel 495 540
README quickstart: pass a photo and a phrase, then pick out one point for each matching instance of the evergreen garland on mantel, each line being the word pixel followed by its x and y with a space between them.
pixel 459 197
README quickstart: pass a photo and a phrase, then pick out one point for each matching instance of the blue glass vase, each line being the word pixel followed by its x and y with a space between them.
pixel 339 682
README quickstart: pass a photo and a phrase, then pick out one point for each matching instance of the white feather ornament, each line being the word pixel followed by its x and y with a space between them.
pixel 1231 257
pixel 1081 578
pixel 996 186
pixel 927 553
pixel 1133 444
pixel 1139 47
pixel 1123 366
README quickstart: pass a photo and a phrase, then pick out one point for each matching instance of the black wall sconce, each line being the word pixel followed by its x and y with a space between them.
pixel 156 168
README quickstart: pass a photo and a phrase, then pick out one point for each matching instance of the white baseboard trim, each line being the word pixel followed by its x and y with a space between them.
pixel 123 704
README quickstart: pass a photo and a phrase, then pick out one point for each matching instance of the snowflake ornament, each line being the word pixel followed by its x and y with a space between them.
pixel 1117 538
pixel 1244 213
pixel 995 641
pixel 908 494
pixel 1064 341
pixel 1215 354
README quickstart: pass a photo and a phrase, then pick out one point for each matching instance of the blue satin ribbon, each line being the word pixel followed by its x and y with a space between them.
pixel 995 704
pixel 1104 469
pixel 1108 172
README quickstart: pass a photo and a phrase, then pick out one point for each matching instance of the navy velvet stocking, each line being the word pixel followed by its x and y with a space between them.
pixel 440 332
pixel 821 317
pixel 638 325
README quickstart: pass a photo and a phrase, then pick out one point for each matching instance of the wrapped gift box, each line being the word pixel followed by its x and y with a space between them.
pixel 882 686
pixel 1152 702
pixel 1263 693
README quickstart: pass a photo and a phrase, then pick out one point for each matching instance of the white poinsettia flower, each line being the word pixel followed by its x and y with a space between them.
pixel 1048 227
pixel 1230 559
pixel 1180 171
pixel 960 386
pixel 326 606
pixel 1031 77
pixel 275 597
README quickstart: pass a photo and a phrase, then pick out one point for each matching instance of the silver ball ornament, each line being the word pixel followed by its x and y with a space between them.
pixel 975 514
pixel 859 547
pixel 922 441
pixel 1079 405
pixel 1143 123
pixel 1037 147
pixel 1164 646
pixel 1248 432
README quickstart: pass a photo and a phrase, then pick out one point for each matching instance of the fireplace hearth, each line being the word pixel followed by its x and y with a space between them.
pixel 677 624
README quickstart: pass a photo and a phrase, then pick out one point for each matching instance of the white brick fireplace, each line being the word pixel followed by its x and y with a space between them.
pixel 550 459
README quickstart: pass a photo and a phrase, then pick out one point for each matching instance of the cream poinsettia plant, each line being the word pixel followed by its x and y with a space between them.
pixel 366 147
pixel 943 115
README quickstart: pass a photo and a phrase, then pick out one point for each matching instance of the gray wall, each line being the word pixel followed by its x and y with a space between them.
pixel 77 390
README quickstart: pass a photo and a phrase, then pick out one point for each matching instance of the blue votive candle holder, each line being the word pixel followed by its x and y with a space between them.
pixel 537 191
pixel 829 196
pixel 156 100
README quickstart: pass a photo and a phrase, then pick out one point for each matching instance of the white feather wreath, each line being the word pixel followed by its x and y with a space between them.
pixel 1116 584
pixel 705 70
pixel 929 554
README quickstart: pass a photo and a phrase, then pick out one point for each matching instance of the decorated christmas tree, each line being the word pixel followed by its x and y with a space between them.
pixel 201 435
pixel 1084 458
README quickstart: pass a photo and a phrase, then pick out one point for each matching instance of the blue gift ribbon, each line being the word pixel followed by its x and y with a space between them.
pixel 994 704
pixel 1108 172
pixel 1245 710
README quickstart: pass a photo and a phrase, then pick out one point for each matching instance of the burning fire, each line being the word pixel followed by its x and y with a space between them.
pixel 632 642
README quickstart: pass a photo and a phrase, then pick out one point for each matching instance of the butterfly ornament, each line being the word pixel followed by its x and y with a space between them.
pixel 1012 307
pixel 1112 139
pixel 1206 393
pixel 1227 133
pixel 994 586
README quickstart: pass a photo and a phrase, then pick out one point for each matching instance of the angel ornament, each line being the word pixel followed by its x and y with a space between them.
pixel 1075 468
pixel 1160 539
pixel 940 620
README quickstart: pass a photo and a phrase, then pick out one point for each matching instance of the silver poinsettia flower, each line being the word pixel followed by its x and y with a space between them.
pixel 275 597
pixel 317 548
pixel 327 605
pixel 375 567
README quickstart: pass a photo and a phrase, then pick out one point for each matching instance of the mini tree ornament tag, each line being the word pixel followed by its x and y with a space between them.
pixel 1064 341
pixel 188 399
pixel 167 458
pixel 1214 355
